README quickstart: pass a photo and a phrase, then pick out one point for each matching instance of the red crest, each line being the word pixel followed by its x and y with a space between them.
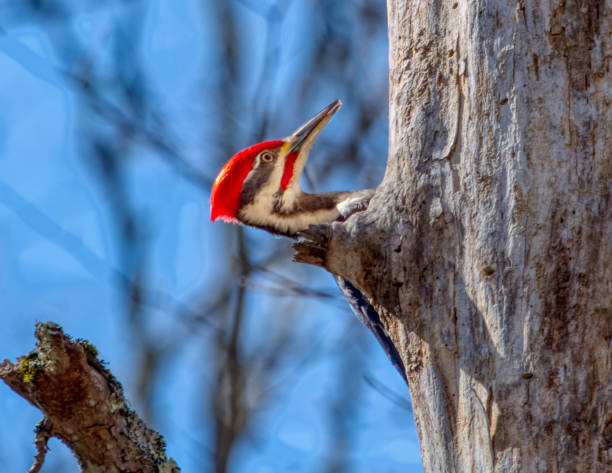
pixel 225 195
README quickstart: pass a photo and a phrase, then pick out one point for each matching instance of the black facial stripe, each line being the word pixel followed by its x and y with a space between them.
pixel 256 179
pixel 307 203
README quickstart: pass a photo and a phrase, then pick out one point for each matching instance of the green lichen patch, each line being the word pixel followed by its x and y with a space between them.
pixel 30 367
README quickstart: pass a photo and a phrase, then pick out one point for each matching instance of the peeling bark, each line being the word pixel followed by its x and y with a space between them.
pixel 487 249
pixel 83 406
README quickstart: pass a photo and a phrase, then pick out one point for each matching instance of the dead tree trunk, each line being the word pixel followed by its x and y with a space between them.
pixel 487 248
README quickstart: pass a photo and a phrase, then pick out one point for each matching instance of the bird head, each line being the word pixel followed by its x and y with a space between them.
pixel 259 186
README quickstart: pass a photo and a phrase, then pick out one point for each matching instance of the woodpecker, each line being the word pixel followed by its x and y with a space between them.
pixel 259 187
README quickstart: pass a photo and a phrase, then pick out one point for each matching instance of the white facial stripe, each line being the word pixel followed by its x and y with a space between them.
pixel 290 195
pixel 273 182
pixel 258 213
pixel 264 198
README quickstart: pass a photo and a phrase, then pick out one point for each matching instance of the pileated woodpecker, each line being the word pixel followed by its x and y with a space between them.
pixel 259 186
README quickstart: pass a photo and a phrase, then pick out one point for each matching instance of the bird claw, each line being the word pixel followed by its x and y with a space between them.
pixel 359 203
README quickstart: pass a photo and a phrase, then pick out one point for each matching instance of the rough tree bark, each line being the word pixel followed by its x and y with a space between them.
pixel 83 406
pixel 487 248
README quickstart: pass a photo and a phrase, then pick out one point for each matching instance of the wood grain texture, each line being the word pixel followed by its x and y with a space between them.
pixel 487 248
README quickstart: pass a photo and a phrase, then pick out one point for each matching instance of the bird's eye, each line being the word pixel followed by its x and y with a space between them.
pixel 266 157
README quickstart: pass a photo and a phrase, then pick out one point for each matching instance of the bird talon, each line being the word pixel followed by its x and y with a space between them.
pixel 356 204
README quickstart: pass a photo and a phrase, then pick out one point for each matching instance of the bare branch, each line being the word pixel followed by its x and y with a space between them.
pixel 43 434
pixel 84 407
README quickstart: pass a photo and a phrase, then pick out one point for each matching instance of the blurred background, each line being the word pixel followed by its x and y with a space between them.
pixel 115 117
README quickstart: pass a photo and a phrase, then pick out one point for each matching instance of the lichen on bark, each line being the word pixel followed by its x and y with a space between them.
pixel 84 406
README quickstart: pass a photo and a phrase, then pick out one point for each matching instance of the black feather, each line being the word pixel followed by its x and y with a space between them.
pixel 370 318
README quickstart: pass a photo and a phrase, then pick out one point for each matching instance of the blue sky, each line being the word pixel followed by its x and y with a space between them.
pixel 61 259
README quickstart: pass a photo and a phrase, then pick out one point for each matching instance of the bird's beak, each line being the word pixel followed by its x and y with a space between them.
pixel 303 138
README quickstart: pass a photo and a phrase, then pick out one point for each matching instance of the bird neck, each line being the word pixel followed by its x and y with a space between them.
pixel 289 214
pixel 284 214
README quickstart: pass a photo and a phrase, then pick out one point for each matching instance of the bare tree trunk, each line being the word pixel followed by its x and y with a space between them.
pixel 487 248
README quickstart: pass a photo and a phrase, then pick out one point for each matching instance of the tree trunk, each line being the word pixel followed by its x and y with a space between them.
pixel 487 249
